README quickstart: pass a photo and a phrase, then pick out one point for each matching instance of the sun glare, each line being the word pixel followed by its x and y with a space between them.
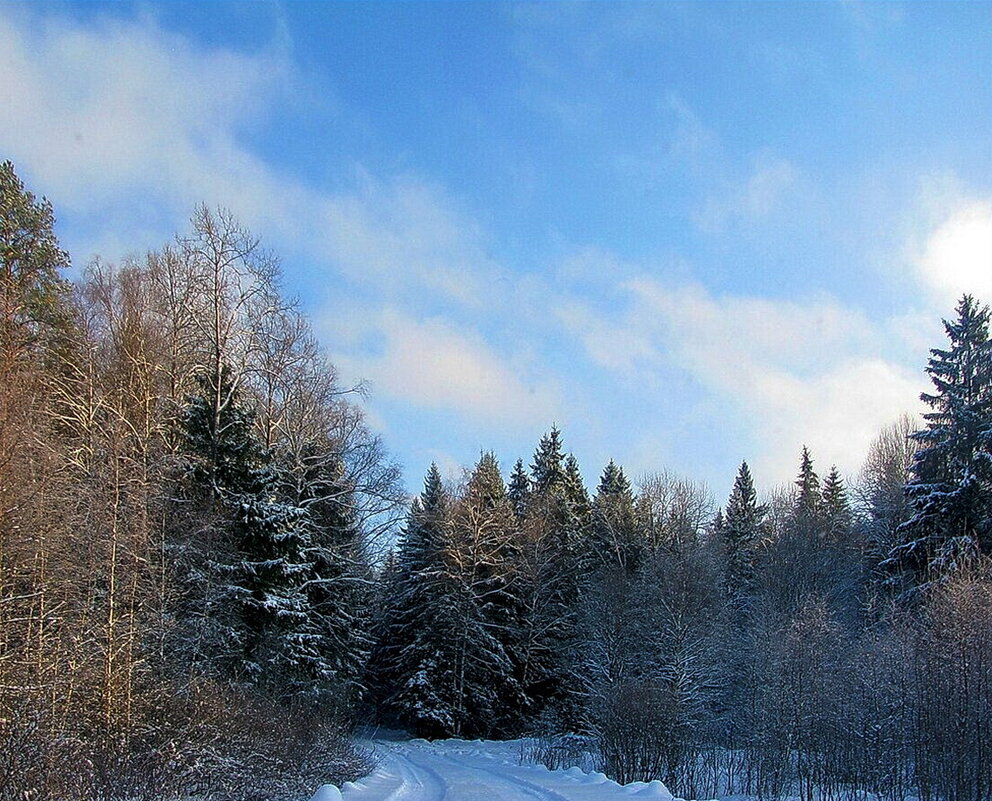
pixel 958 257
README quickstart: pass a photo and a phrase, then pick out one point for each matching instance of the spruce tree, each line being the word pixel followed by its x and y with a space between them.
pixel 613 481
pixel 575 492
pixel 419 654
pixel 250 566
pixel 338 592
pixel 807 514
pixel 221 451
pixel 614 526
pixel 569 578
pixel 556 527
pixel 548 469
pixel 377 678
pixel 950 489
pixel 450 651
pixel 740 531
pixel 266 585
pixel 837 516
pixel 519 489
pixel 576 521
pixel 484 536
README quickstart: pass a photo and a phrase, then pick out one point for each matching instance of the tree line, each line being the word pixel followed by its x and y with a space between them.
pixel 210 573
pixel 828 640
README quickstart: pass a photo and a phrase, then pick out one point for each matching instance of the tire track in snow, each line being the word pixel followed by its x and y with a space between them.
pixel 535 791
pixel 440 785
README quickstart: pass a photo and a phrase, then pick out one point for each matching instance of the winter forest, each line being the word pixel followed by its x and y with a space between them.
pixel 211 575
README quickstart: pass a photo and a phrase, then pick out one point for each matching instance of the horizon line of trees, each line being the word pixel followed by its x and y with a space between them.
pixel 826 640
pixel 198 597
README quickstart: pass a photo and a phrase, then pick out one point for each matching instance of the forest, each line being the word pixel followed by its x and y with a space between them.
pixel 211 574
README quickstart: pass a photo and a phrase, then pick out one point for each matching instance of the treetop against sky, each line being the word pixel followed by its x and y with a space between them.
pixel 687 233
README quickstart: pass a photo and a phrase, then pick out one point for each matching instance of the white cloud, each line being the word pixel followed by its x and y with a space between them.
pixel 127 126
pixel 124 107
pixel 692 142
pixel 730 194
pixel 801 371
pixel 836 413
pixel 131 126
pixel 793 372
pixel 432 364
pixel 765 186
pixel 727 336
pixel 609 343
pixel 406 234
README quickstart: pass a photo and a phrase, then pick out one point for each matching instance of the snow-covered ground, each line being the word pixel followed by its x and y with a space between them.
pixel 460 770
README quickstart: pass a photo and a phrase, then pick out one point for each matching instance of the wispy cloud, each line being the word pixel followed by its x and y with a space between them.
pixel 434 365
pixel 751 199
pixel 407 234
pixel 792 372
pixel 129 126
pixel 724 195
pixel 124 108
pixel 691 141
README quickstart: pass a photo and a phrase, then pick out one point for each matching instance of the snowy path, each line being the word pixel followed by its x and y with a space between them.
pixel 458 770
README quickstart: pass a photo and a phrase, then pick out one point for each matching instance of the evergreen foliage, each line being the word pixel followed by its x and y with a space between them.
pixel 184 577
pixel 416 645
pixel 837 515
pixel 809 499
pixel 614 526
pixel 519 489
pixel 256 562
pixel 34 307
pixel 575 492
pixel 951 476
pixel 338 589
pixel 223 453
pixel 450 655
pixel 740 531
pixel 548 467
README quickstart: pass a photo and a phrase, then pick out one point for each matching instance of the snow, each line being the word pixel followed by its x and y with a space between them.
pixel 482 770
pixel 328 793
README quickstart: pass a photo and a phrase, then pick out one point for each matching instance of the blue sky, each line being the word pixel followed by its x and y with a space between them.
pixel 687 233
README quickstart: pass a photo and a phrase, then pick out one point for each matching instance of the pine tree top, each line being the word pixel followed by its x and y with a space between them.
pixel 836 507
pixel 834 491
pixel 548 467
pixel 613 481
pixel 808 481
pixel 434 498
pixel 575 488
pixel 742 519
pixel 33 299
pixel 518 489
pixel 518 476
pixel 952 471
pixel 486 482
